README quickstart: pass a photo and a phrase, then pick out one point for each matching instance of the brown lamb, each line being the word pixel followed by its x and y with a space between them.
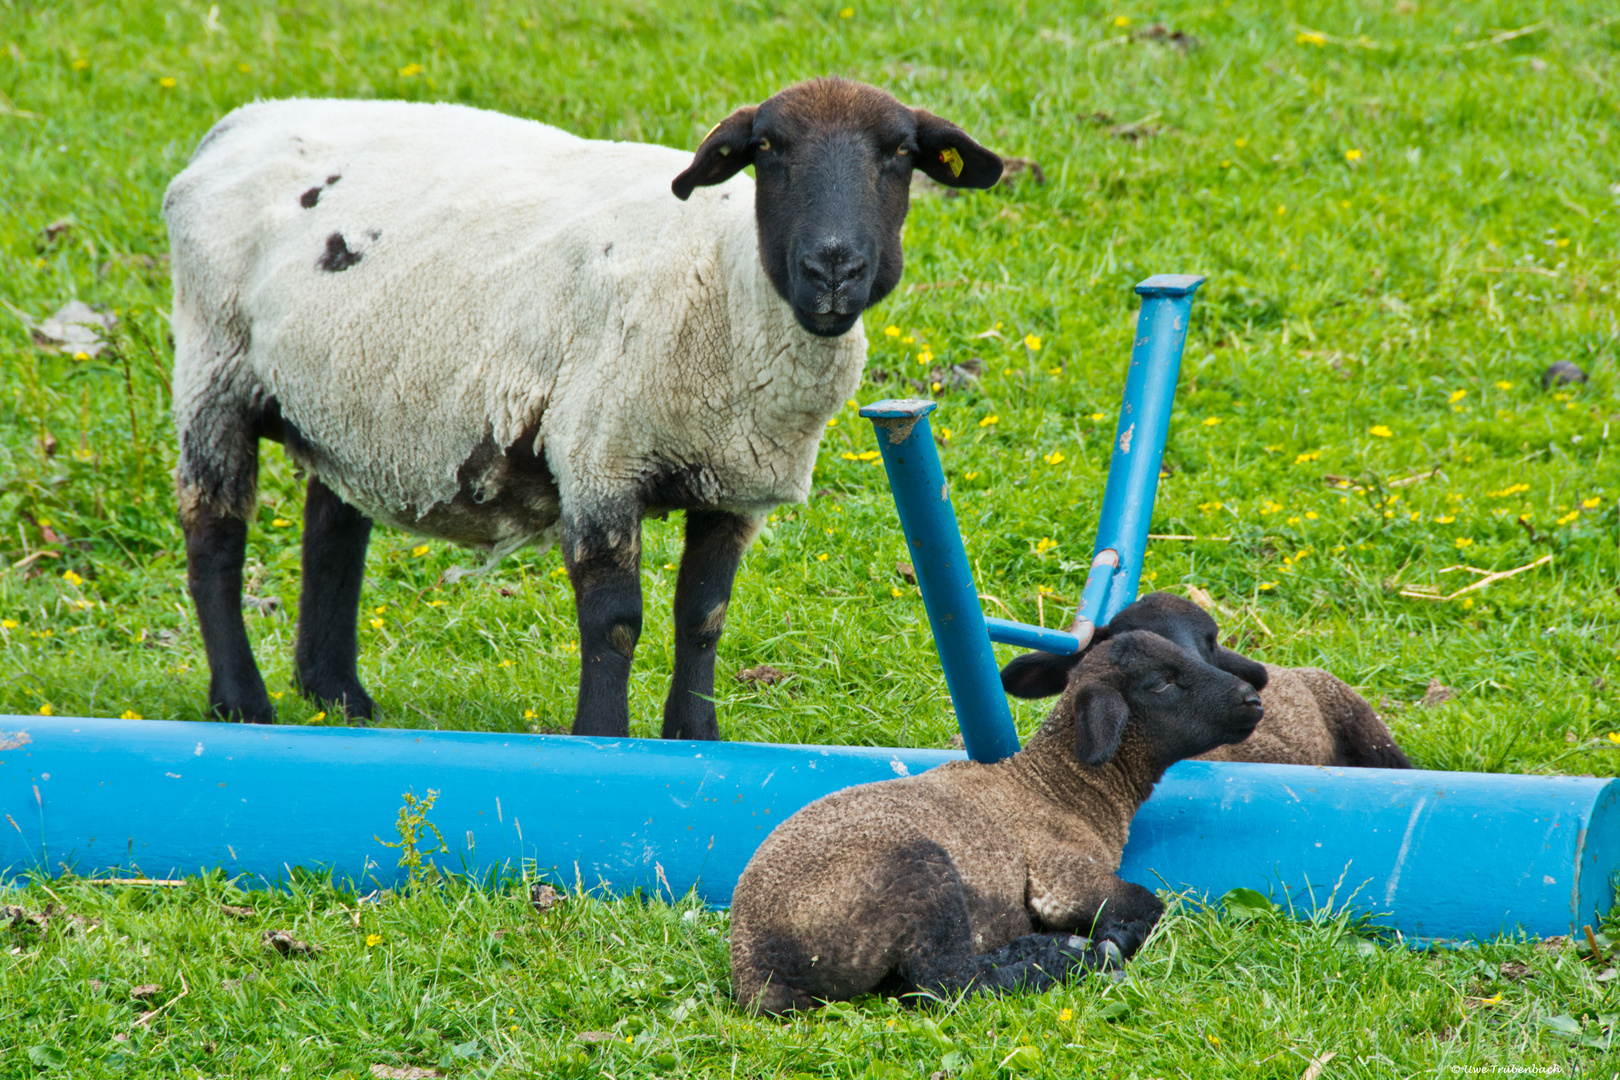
pixel 981 878
pixel 1312 718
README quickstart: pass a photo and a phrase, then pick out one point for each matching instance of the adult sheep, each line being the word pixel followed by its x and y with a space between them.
pixel 492 332
pixel 1312 717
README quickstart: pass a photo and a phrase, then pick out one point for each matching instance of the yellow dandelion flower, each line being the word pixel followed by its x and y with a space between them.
pixel 72 579
pixel 1344 204
pixel 1055 458
pixel 373 940
pixel 973 475
pixel 1511 489
pixel 1458 395
pixel 822 557
pixel 1066 1015
pixel 1122 20
pixel 410 71
pixel 379 609
pixel 990 421
pixel 1504 385
pixel 1098 416
pixel 894 590
pixel 1563 241
pixel 1266 586
pixel 934 386
pixel 868 455
pixel 318 717
pixel 1306 37
pixel 1032 343
pixel 419 550
pixel 1465 541
pixel 946 433
pixel 80 64
pixel 1352 155
pixel 506 663
pixel 1281 210
pixel 1214 1040
pixel 1269 507
pixel 280 523
pixel 1209 506
pixel 244 68
pixel 1614 737
pixel 9 624
pixel 167 82
pixel 1293 520
pixel 131 714
pixel 46 710
pixel 1240 143
pixel 925 357
pixel 529 714
pixel 440 603
pixel 1593 503
pixel 1445 519
pixel 852 403
pixel 1211 421
pixel 376 624
pixel 1309 455
pixel 833 422
pixel 1569 517
pixel 1310 515
pixel 1381 431
pixel 847 456
pixel 891 331
pixel 1468 604
pixel 907 340
pixel 846 13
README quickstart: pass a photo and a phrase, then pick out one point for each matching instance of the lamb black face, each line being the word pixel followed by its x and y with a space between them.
pixel 833 161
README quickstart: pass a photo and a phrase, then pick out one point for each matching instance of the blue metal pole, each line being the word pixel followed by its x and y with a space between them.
pixel 169 798
pixel 1133 470
pixel 922 498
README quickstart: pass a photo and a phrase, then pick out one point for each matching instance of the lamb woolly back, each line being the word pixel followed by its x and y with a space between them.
pixel 492 332
pixel 1312 718
pixel 976 877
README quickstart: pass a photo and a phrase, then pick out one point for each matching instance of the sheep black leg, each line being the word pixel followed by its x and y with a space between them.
pixel 603 556
pixel 715 541
pixel 216 546
pixel 326 657
pixel 1030 964
pixel 1125 918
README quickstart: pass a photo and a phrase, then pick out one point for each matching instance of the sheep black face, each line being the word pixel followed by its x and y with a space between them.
pixel 1182 706
pixel 833 161
pixel 1042 674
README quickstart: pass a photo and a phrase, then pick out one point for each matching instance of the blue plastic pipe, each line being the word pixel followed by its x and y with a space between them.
pixel 1435 855
pixel 1138 450
pixel 923 500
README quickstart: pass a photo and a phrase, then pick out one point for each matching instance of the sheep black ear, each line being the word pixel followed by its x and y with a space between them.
pixel 1038 674
pixel 950 157
pixel 725 151
pixel 1237 664
pixel 1099 720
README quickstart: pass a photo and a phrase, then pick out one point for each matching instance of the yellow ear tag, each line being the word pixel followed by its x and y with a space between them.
pixel 950 157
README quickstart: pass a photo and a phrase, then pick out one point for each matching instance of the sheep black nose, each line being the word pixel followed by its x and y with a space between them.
pixel 832 269
pixel 1252 700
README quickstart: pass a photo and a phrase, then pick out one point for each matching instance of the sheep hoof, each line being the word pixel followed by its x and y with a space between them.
pixel 1109 957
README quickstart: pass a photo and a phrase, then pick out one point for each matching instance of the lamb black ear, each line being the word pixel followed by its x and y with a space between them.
pixel 950 157
pixel 725 151
pixel 1037 674
pixel 1237 664
pixel 1099 720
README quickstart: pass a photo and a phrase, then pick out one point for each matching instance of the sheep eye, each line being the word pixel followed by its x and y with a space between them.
pixel 1160 686
pixel 902 151
pixel 763 144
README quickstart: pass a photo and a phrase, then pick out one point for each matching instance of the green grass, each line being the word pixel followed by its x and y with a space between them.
pixel 1405 216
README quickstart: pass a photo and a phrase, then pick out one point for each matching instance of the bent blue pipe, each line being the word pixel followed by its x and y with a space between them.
pixel 169 798
pixel 1138 448
pixel 923 500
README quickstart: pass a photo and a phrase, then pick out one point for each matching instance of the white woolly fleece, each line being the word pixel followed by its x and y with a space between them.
pixel 510 276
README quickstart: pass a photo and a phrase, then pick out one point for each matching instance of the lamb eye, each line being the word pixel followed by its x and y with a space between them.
pixel 1160 686
pixel 763 144
pixel 902 151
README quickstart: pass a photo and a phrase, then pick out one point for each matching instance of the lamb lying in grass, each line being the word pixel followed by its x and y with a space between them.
pixel 979 878
pixel 1312 718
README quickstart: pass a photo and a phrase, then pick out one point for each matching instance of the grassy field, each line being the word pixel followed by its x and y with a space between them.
pixel 1406 212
